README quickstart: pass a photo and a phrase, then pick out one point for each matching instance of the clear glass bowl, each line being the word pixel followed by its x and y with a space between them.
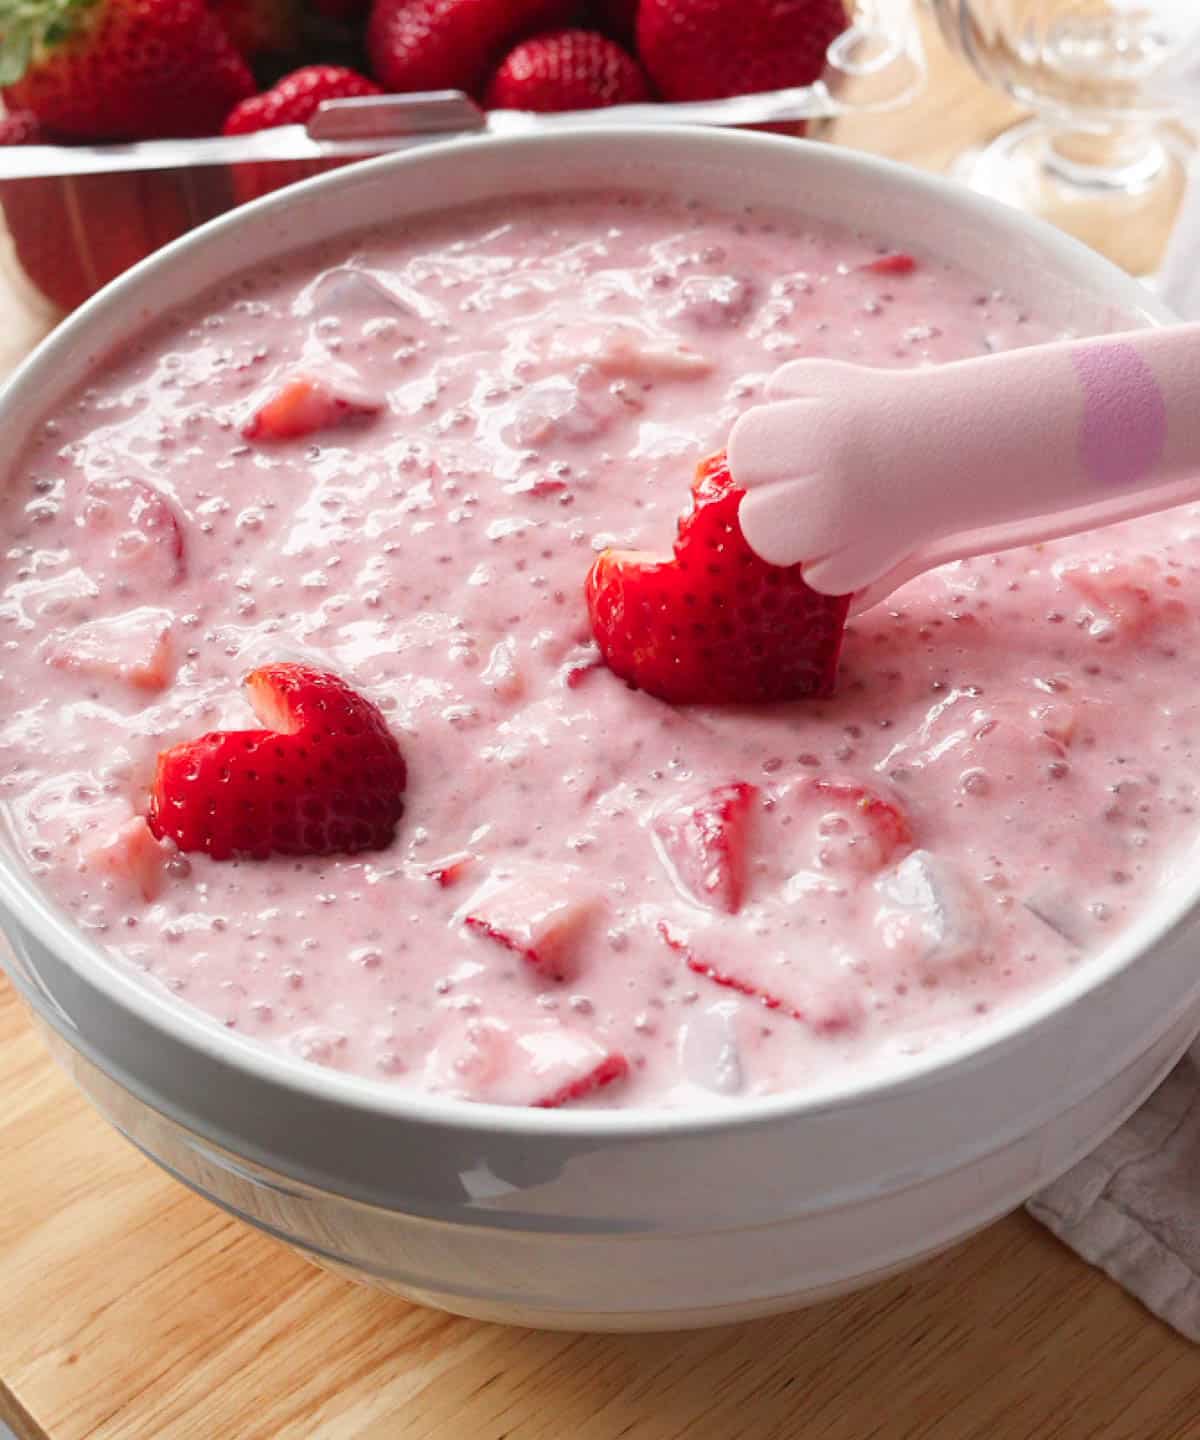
pixel 1104 155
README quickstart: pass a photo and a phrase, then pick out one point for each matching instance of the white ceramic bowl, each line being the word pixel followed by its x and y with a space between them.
pixel 613 1219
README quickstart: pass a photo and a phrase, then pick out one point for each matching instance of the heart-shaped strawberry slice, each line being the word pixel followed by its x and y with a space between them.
pixel 326 777
pixel 713 622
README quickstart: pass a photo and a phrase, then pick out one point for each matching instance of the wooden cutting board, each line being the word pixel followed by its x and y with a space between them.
pixel 132 1310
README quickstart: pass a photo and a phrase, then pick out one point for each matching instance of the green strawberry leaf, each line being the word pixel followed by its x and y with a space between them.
pixel 16 50
pixel 31 30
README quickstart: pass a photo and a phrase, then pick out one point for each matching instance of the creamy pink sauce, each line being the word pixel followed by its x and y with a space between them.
pixel 551 372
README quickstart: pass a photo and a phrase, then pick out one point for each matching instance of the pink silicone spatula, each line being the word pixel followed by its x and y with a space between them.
pixel 868 477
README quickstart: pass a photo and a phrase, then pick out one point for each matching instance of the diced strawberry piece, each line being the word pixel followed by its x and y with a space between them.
pixel 134 858
pixel 628 354
pixel 622 351
pixel 543 1066
pixel 327 777
pixel 897 263
pixel 450 869
pixel 858 828
pixel 713 622
pixel 147 534
pixel 625 353
pixel 704 843
pixel 1130 594
pixel 827 1008
pixel 539 914
pixel 305 406
pixel 736 982
pixel 134 648
pixel 609 1066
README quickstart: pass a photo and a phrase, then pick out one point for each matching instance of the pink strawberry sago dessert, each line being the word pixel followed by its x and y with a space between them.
pixel 393 463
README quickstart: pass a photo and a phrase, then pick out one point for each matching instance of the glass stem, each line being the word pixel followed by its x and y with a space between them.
pixel 1126 156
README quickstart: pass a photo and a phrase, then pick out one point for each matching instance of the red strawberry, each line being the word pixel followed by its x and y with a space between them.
pixel 326 776
pixel 292 100
pixel 72 235
pixel 450 44
pixel 895 263
pixel 707 49
pixel 340 9
pixel 256 26
pixel 304 406
pixel 120 69
pixel 713 623
pixel 567 70
pixel 297 97
pixel 704 842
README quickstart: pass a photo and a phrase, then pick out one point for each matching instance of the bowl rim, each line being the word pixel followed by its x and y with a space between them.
pixel 34 911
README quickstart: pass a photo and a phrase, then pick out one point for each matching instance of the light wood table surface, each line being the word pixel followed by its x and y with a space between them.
pixel 132 1310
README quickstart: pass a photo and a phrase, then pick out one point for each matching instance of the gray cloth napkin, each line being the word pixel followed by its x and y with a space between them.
pixel 1133 1206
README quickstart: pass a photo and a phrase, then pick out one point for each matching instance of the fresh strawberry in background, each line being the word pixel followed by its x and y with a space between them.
pixel 296 98
pixel 293 100
pixel 567 70
pixel 325 777
pixel 130 215
pixel 258 26
pixel 713 623
pixel 710 49
pixel 451 44
pixel 120 69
